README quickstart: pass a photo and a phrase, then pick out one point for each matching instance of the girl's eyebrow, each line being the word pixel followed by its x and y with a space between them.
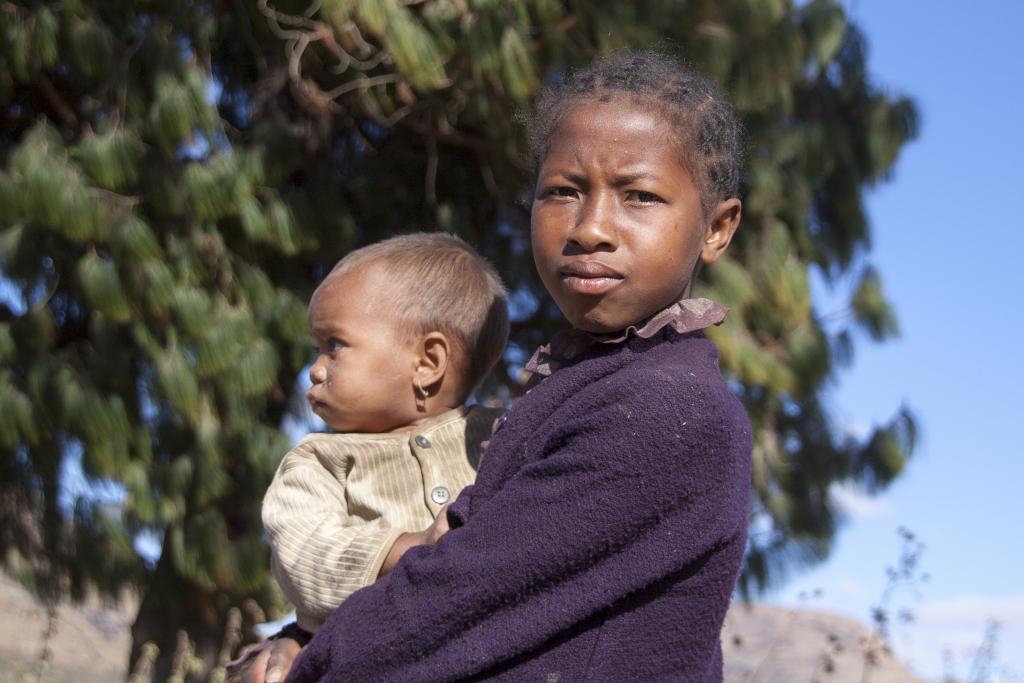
pixel 628 178
pixel 620 179
pixel 571 176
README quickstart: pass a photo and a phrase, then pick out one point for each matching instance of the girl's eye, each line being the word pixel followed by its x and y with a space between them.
pixel 643 197
pixel 563 192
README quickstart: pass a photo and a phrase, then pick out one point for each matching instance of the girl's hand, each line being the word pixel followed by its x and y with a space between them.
pixel 273 663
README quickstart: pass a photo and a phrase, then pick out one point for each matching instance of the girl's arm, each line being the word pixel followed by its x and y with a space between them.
pixel 611 509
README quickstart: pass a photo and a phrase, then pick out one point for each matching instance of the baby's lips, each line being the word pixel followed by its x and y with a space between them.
pixel 313 401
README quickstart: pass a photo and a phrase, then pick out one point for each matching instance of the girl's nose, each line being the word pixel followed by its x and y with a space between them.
pixel 594 229
pixel 317 372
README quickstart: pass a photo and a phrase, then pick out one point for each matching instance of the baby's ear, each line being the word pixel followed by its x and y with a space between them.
pixel 433 358
pixel 725 218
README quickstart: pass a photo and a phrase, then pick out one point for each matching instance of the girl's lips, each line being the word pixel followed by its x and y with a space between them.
pixel 589 277
pixel 589 285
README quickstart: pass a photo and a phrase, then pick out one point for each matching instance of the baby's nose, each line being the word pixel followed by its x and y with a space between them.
pixel 317 373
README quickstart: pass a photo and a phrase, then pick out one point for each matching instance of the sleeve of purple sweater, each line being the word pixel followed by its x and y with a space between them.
pixel 632 486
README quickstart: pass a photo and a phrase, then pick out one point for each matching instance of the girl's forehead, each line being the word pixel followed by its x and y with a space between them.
pixel 620 113
pixel 615 133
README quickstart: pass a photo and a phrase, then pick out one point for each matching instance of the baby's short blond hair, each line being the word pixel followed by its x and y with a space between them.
pixel 440 283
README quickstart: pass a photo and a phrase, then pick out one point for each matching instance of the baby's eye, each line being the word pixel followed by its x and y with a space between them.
pixel 329 348
pixel 643 197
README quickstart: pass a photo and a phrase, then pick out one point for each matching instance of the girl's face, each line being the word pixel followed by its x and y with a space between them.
pixel 617 225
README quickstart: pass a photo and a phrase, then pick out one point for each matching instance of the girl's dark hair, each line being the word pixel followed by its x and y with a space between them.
pixel 709 136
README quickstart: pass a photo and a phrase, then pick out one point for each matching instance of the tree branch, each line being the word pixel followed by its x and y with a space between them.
pixel 62 109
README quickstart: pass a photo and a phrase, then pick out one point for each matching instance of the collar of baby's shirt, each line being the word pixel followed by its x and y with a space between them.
pixel 431 424
pixel 683 316
pixel 424 428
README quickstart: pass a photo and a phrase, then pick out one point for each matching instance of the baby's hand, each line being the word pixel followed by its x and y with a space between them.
pixel 428 536
pixel 433 533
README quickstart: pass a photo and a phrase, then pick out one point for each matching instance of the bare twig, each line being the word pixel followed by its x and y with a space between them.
pixel 275 19
pixel 985 655
pixel 182 661
pixel 905 573
pixel 357 37
pixel 232 637
pixel 430 177
pixel 62 108
pixel 361 83
pixel 372 58
pixel 295 47
pixel 142 672
pixel 303 29
pixel 46 652
pixel 247 35
pixel 452 137
pixel 253 611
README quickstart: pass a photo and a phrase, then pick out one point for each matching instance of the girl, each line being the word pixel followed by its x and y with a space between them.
pixel 604 533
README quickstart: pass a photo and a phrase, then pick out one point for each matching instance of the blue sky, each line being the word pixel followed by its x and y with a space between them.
pixel 948 238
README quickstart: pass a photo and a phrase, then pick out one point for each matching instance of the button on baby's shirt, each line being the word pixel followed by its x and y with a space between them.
pixel 440 495
pixel 422 441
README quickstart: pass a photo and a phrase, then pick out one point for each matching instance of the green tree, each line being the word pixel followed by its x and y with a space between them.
pixel 175 177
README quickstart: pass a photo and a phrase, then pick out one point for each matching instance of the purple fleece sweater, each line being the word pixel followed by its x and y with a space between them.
pixel 601 541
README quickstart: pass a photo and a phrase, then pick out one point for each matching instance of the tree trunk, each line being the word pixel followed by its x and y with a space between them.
pixel 169 605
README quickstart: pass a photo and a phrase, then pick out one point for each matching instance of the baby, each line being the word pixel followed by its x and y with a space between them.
pixel 404 331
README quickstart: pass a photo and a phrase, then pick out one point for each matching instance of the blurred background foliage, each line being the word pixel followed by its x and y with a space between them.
pixel 175 177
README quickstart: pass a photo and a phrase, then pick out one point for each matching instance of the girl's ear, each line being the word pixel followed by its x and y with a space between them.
pixel 724 220
pixel 433 357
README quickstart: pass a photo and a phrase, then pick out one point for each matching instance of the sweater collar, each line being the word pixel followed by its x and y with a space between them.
pixel 685 315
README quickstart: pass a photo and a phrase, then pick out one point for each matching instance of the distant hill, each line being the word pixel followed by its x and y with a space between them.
pixel 90 645
pixel 767 644
pixel 762 644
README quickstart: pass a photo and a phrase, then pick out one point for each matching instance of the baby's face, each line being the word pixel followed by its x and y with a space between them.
pixel 617 225
pixel 363 373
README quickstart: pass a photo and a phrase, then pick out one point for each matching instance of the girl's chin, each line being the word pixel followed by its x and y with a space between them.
pixel 595 322
pixel 599 320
